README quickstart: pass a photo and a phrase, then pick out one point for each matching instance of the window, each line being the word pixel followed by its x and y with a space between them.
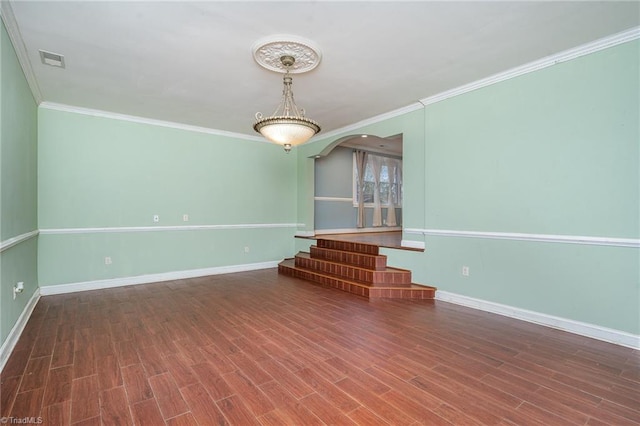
pixel 390 181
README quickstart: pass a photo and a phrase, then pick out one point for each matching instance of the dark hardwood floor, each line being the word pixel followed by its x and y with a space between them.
pixel 258 348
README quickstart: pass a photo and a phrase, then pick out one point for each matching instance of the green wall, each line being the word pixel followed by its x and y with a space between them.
pixel 552 152
pixel 411 126
pixel 555 151
pixel 18 190
pixel 97 172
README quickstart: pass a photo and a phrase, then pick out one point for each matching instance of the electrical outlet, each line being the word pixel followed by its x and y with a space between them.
pixel 107 260
pixel 17 289
pixel 246 249
pixel 185 218
pixel 465 271
pixel 156 218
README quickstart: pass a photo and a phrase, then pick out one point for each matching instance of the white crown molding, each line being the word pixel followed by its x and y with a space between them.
pixel 567 55
pixel 373 120
pixel 545 238
pixel 10 23
pixel 4 245
pixel 548 61
pixel 152 278
pixel 17 329
pixel 124 229
pixel 576 327
pixel 150 121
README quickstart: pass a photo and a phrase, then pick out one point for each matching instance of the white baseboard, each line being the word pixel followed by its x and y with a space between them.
pixel 413 244
pixel 153 278
pixel 18 327
pixel 581 328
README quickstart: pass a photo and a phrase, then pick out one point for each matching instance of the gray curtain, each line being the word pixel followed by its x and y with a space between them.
pixel 361 163
pixel 391 210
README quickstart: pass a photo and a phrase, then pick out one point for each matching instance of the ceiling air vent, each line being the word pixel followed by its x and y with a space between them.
pixel 53 59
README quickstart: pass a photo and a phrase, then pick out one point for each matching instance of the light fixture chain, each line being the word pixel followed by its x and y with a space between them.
pixel 288 125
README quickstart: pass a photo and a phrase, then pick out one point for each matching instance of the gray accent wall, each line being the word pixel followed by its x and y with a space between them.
pixel 334 179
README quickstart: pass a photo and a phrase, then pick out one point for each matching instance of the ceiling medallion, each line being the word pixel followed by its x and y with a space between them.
pixel 268 51
pixel 288 125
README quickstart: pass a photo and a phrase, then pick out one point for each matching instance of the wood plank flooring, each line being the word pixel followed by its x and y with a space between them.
pixel 258 348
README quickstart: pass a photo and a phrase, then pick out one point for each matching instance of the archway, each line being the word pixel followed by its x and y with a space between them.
pixel 335 190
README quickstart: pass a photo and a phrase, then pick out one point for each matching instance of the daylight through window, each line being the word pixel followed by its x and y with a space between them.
pixel 390 181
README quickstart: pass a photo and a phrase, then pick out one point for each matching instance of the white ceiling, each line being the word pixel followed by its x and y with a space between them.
pixel 191 62
pixel 391 145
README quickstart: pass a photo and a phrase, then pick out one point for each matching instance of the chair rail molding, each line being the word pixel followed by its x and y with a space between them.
pixel 6 244
pixel 546 238
pixel 115 229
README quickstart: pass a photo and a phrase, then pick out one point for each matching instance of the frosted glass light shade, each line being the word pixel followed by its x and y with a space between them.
pixel 291 131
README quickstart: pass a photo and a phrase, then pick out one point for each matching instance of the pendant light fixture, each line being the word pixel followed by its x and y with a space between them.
pixel 287 126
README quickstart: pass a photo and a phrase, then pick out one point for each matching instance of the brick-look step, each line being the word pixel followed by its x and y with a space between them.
pixel 412 291
pixel 389 277
pixel 349 246
pixel 367 261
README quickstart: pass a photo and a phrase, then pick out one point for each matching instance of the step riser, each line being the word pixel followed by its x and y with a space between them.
pixel 367 261
pixel 374 278
pixel 368 292
pixel 349 246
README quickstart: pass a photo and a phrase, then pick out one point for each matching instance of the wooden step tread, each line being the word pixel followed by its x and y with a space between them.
pixel 388 276
pixel 291 262
pixel 362 260
pixel 306 254
pixel 349 246
pixel 411 291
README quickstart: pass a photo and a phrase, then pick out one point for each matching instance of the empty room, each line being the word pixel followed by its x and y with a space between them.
pixel 441 227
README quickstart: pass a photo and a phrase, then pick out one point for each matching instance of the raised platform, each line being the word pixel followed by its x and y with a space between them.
pixel 354 267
